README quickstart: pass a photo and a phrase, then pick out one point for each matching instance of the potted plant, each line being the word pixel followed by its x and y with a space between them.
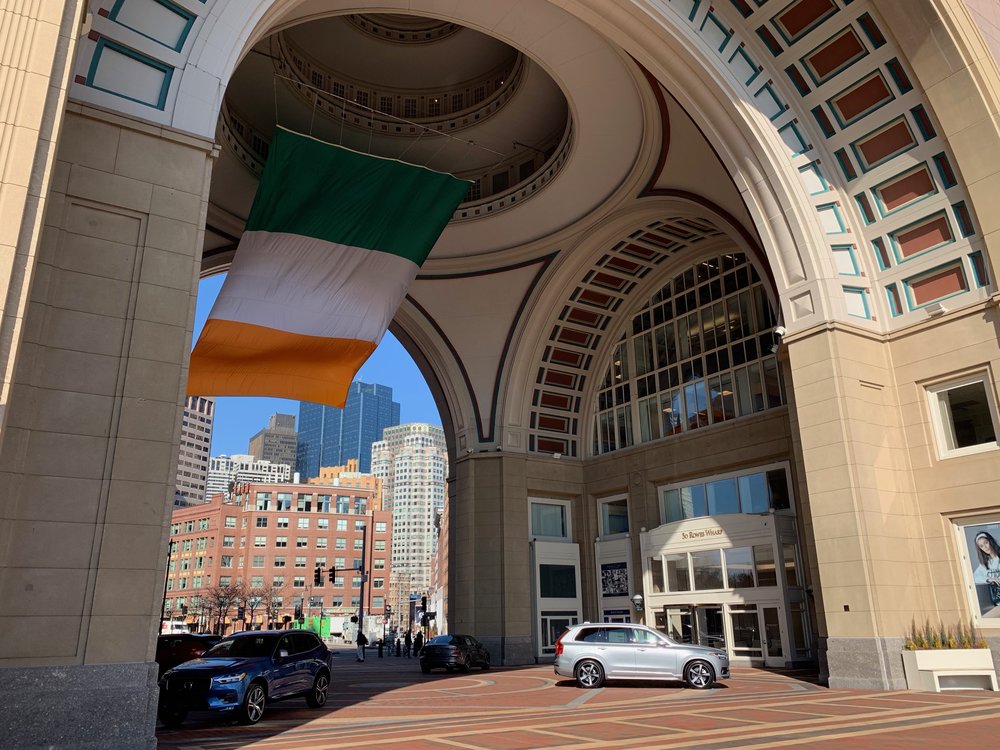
pixel 941 658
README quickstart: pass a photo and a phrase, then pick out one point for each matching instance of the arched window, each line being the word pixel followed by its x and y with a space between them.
pixel 700 352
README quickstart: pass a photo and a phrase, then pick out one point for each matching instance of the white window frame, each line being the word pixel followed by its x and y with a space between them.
pixel 941 432
pixel 763 468
pixel 601 502
pixel 967 566
pixel 567 506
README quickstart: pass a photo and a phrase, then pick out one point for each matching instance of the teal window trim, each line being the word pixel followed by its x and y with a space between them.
pixel 797 80
pixel 924 124
pixel 963 218
pixel 977 264
pixel 103 44
pixel 814 168
pixel 745 56
pixel 742 7
pixel 899 76
pixel 727 33
pixel 864 113
pixel 863 293
pixel 907 284
pixel 836 214
pixel 188 16
pixel 880 204
pixel 944 169
pixel 695 4
pixel 818 79
pixel 815 24
pixel 769 41
pixel 845 164
pixel 770 91
pixel 871 29
pixel 865 166
pixel 849 249
pixel 895 304
pixel 798 136
pixel 823 121
pixel 881 255
pixel 923 220
pixel 865 206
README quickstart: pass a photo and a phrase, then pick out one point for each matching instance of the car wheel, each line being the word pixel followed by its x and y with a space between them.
pixel 253 704
pixel 426 670
pixel 316 697
pixel 589 674
pixel 699 675
pixel 172 717
pixel 467 664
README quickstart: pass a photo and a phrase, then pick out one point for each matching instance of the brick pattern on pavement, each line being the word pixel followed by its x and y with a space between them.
pixel 387 703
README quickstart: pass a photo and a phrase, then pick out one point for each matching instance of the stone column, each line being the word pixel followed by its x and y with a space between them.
pixel 870 563
pixel 88 456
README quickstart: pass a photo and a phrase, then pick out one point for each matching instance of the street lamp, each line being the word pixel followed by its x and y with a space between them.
pixel 637 603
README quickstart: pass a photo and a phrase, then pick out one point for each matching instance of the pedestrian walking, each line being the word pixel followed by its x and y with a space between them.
pixel 362 642
pixel 418 643
pixel 407 644
pixel 399 647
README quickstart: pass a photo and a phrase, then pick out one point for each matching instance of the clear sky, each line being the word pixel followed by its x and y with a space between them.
pixel 239 419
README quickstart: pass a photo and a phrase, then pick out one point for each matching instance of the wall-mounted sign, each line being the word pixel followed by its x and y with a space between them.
pixel 614 579
pixel 701 533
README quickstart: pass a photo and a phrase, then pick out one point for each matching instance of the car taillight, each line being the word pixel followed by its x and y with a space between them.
pixel 559 646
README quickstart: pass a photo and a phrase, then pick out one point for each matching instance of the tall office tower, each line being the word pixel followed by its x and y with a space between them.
pixel 276 442
pixel 412 461
pixel 196 443
pixel 226 472
pixel 329 436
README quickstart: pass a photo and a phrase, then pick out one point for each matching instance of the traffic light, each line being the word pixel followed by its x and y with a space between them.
pixel 241 613
pixel 423 603
pixel 333 574
pixel 318 576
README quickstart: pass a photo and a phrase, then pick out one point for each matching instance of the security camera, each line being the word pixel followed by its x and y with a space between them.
pixel 779 331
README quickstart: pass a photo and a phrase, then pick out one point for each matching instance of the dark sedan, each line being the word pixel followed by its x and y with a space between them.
pixel 245 671
pixel 178 648
pixel 453 652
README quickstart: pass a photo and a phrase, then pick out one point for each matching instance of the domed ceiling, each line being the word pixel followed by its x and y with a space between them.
pixel 428 92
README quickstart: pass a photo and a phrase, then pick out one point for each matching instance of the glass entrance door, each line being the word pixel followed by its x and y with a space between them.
pixel 774 654
pixel 710 631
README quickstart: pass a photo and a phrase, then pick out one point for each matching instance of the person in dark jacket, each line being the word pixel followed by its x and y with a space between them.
pixel 362 642
pixel 418 643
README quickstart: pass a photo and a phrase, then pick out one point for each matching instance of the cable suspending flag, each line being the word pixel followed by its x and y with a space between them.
pixel 332 243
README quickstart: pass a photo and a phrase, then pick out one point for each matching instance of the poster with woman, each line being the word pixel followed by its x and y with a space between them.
pixel 984 558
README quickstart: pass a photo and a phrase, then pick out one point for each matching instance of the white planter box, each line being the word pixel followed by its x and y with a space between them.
pixel 949 669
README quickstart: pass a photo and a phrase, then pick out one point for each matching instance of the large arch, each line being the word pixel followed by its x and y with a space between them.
pixel 810 132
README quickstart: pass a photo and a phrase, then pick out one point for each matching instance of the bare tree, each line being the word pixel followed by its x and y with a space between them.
pixel 221 599
pixel 252 598
pixel 271 601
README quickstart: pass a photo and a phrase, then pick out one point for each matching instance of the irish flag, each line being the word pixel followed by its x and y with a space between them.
pixel 333 241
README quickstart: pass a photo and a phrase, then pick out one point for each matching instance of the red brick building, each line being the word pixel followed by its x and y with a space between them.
pixel 259 553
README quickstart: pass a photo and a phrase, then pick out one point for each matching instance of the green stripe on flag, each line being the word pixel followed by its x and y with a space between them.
pixel 320 190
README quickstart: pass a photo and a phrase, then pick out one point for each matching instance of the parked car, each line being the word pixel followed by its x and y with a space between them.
pixel 243 672
pixel 453 652
pixel 172 650
pixel 594 652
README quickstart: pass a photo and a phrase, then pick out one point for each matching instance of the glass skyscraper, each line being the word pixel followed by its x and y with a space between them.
pixel 329 436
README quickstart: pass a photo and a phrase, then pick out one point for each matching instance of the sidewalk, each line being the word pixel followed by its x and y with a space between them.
pixel 387 703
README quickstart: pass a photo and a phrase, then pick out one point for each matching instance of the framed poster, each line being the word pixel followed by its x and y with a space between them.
pixel 982 549
pixel 614 579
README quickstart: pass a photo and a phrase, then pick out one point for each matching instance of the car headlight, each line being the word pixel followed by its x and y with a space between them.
pixel 229 679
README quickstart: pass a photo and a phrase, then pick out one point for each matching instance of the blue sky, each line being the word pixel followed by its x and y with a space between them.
pixel 239 419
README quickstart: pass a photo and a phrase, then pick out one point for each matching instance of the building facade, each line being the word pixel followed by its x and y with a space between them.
pixel 195 449
pixel 277 442
pixel 412 462
pixel 329 436
pixel 226 472
pixel 260 551
pixel 591 323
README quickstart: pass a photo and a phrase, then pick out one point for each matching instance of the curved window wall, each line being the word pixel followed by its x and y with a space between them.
pixel 699 353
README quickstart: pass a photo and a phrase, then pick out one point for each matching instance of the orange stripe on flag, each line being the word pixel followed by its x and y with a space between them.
pixel 240 359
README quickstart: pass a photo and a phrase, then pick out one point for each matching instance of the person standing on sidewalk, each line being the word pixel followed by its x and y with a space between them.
pixel 407 643
pixel 362 642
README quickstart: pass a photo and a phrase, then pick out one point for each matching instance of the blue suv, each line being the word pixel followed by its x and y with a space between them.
pixel 244 671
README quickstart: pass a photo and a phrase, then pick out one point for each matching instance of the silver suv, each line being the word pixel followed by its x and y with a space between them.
pixel 595 652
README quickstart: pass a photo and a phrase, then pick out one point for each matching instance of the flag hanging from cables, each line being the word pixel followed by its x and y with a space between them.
pixel 332 243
